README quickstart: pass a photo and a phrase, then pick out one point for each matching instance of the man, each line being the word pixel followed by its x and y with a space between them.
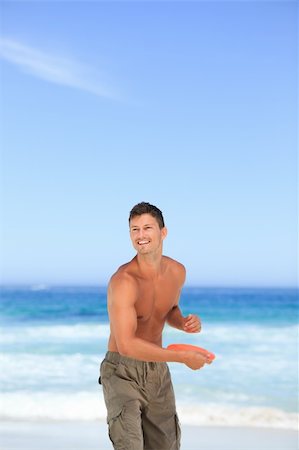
pixel 143 295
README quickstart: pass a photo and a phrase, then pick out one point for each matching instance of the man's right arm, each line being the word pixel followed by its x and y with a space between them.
pixel 122 295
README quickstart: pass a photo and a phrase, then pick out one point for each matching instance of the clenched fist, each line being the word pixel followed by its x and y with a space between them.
pixel 192 324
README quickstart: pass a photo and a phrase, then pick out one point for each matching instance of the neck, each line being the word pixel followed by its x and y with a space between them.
pixel 150 265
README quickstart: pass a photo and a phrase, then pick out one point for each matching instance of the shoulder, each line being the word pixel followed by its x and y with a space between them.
pixel 177 268
pixel 122 282
pixel 174 265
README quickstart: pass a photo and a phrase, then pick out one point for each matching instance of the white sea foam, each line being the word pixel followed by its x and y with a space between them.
pixel 257 336
pixel 243 333
pixel 29 371
pixel 90 405
pixel 222 414
pixel 65 333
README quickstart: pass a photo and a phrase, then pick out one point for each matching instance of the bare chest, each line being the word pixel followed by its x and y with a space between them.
pixel 154 303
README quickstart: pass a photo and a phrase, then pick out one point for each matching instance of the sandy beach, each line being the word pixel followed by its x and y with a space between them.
pixel 93 436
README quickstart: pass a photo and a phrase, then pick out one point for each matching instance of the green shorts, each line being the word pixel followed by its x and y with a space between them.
pixel 140 404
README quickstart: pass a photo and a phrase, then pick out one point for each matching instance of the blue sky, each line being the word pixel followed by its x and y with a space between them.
pixel 188 105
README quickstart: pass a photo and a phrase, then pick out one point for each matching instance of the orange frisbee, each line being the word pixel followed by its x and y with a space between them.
pixel 193 348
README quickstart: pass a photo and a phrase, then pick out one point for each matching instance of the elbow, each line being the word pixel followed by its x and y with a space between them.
pixel 124 349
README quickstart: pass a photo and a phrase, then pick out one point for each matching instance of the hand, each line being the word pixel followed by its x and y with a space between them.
pixel 192 324
pixel 195 360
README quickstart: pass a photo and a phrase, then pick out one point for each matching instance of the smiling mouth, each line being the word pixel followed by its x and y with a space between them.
pixel 142 242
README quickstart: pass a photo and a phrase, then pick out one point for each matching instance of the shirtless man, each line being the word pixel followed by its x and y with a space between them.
pixel 143 295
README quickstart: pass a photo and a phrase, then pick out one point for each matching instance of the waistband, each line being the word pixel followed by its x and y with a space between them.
pixel 116 357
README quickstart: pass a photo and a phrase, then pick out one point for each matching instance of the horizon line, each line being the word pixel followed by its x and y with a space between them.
pixel 45 286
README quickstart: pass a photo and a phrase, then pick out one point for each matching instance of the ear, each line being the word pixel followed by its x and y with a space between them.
pixel 164 232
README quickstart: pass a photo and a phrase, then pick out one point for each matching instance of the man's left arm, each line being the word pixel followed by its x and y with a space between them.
pixel 189 324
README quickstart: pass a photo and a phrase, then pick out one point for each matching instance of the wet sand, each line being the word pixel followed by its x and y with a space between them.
pixel 66 435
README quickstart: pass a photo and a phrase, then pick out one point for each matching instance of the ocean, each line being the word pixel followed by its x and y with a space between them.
pixel 53 340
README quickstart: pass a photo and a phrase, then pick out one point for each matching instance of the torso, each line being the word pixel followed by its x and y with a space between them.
pixel 154 300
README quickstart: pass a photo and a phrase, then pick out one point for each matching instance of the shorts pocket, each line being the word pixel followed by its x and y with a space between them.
pixel 117 430
pixel 107 369
pixel 113 413
pixel 126 373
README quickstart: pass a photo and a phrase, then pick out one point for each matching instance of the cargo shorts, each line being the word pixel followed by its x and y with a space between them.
pixel 141 411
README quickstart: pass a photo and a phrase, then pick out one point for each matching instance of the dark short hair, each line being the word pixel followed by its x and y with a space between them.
pixel 147 208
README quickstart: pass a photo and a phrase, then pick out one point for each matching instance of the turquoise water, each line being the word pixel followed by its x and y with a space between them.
pixel 54 338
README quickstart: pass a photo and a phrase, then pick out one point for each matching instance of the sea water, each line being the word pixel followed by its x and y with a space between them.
pixel 53 340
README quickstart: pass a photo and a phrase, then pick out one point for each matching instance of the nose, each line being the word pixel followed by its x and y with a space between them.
pixel 140 234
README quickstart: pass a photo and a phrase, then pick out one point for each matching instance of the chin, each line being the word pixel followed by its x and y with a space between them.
pixel 144 251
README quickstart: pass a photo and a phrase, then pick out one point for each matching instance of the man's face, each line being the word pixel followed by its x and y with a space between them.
pixel 146 236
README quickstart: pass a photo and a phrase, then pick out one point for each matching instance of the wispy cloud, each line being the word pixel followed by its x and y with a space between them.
pixel 54 69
